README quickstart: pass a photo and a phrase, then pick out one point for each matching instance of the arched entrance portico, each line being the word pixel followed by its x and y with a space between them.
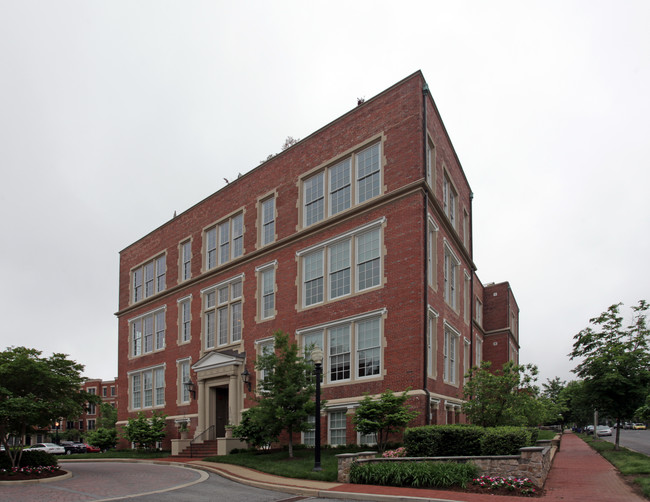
pixel 221 394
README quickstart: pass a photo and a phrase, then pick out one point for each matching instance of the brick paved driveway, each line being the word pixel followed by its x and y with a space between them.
pixel 104 481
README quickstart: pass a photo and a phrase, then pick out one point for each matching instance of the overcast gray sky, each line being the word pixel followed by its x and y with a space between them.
pixel 113 115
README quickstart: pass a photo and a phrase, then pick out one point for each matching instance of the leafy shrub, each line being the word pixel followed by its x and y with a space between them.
pixel 30 458
pixel 443 440
pixel 505 440
pixel 413 474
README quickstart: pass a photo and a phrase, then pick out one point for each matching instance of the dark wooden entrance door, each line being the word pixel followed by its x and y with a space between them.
pixel 221 398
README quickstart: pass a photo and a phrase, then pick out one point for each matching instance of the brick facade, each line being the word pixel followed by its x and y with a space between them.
pixel 391 257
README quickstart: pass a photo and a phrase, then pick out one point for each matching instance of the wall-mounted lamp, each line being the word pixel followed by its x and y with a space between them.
pixel 246 378
pixel 191 388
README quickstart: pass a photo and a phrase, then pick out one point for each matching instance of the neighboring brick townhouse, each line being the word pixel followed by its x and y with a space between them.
pixel 357 238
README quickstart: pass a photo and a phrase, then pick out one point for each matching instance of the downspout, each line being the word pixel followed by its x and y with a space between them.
pixel 425 219
pixel 472 301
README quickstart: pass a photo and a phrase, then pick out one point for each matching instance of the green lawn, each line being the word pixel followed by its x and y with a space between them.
pixel 279 463
pixel 629 463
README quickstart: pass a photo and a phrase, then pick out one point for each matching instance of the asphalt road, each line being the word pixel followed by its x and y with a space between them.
pixel 634 440
pixel 104 481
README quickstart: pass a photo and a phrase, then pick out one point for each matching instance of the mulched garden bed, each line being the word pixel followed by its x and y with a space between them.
pixel 28 476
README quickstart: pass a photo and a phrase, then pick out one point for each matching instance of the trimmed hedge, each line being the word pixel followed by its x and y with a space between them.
pixel 443 440
pixel 413 474
pixel 466 440
pixel 30 458
pixel 505 440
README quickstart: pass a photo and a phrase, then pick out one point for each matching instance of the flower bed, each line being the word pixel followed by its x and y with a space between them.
pixel 505 486
pixel 28 473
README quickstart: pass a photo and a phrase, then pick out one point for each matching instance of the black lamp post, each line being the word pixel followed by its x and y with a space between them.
pixel 246 378
pixel 56 431
pixel 191 388
pixel 317 358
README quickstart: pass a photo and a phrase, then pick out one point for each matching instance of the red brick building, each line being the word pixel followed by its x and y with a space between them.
pixel 357 239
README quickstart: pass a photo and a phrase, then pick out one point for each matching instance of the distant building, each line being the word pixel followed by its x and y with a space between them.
pixel 357 239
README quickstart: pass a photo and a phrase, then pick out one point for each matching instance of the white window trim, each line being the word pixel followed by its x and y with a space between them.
pixel 432 343
pixel 153 368
pixel 324 169
pixel 354 348
pixel 351 235
pixel 215 288
pixel 184 299
pixel 260 270
pixel 181 387
pixel 141 317
pixel 457 336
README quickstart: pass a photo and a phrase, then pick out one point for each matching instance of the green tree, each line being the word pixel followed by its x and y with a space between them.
pixel 506 396
pixel 286 394
pixel 553 393
pixel 256 428
pixel 615 362
pixel 383 416
pixel 145 431
pixel 579 408
pixel 108 416
pixel 102 438
pixel 35 392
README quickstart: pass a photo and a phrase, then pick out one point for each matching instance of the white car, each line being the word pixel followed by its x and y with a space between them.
pixel 603 430
pixel 49 448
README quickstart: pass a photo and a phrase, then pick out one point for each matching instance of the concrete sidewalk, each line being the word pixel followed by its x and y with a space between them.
pixel 578 474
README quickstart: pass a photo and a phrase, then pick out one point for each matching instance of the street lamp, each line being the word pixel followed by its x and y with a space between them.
pixel 317 358
pixel 56 430
pixel 246 378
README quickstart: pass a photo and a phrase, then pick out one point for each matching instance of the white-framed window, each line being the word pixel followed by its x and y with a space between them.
pixel 467 353
pixel 267 217
pixel 466 298
pixel 186 260
pixel 309 437
pixel 368 166
pixel 266 289
pixel 432 253
pixel 148 333
pixel 352 347
pixel 265 346
pixel 449 199
pixel 327 271
pixel 451 267
pixel 367 439
pixel 432 343
pixel 92 408
pixel 450 355
pixel 183 377
pixel 149 278
pixel 478 351
pixel 91 424
pixel 329 191
pixel 337 428
pixel 225 241
pixel 478 315
pixel 514 353
pixel 431 164
pixel 222 313
pixel 147 388
pixel 185 319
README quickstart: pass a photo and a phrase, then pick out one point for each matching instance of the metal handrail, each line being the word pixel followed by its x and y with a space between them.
pixel 201 437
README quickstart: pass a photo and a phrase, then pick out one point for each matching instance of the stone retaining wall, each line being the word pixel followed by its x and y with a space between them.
pixel 533 462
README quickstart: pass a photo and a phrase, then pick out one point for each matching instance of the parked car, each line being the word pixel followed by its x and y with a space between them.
pixel 91 449
pixel 72 447
pixel 603 430
pixel 639 427
pixel 49 448
pixel 589 429
pixel 628 425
